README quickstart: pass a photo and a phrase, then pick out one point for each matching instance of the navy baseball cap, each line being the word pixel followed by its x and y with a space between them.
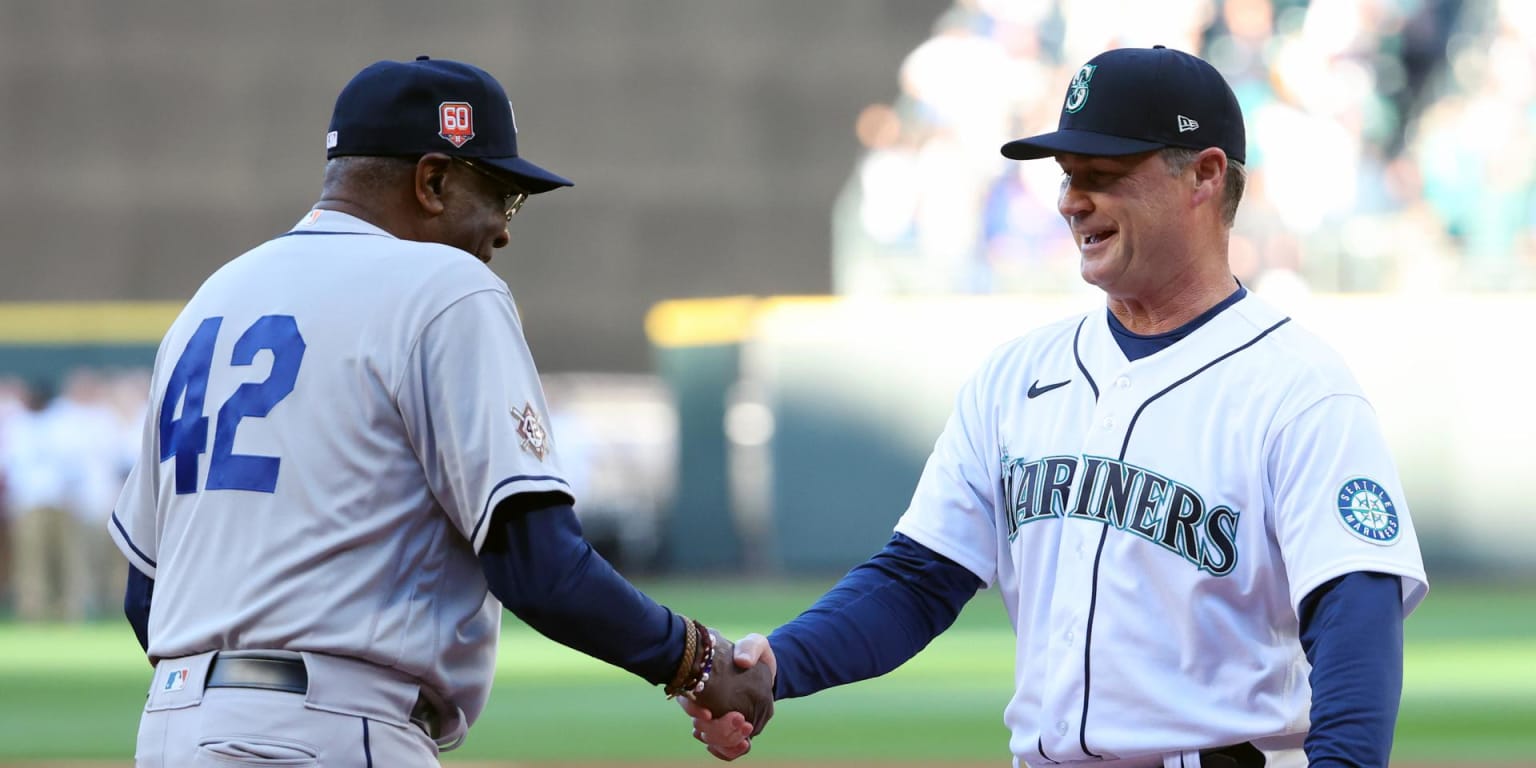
pixel 1131 100
pixel 403 108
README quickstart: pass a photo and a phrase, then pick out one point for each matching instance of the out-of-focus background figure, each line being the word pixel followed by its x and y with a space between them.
pixel 64 461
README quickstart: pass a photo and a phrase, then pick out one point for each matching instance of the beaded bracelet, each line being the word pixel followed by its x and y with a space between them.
pixel 709 661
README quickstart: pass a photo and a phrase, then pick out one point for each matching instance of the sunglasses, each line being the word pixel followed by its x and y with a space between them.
pixel 512 198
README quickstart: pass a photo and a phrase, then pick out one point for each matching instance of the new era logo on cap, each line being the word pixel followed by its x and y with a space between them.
pixel 1141 99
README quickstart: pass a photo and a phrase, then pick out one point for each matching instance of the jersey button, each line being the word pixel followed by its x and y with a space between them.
pixel 1061 727
pixel 1123 382
pixel 1109 422
pixel 1071 635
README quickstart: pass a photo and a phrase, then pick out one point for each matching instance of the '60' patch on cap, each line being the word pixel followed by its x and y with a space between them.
pixel 456 122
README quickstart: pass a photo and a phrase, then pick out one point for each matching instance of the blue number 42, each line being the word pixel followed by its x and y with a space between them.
pixel 185 438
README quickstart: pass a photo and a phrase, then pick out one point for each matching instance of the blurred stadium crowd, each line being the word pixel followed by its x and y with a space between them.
pixel 63 460
pixel 1392 144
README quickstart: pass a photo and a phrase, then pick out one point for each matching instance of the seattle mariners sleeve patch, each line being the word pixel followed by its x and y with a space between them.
pixel 1367 511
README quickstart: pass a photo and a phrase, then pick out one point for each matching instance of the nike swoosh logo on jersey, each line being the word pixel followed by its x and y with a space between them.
pixel 1035 390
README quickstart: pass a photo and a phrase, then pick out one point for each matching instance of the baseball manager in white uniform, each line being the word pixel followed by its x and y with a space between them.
pixel 346 464
pixel 1184 499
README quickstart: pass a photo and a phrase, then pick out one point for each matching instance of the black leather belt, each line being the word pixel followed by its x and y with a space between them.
pixel 268 670
pixel 1243 755
pixel 284 671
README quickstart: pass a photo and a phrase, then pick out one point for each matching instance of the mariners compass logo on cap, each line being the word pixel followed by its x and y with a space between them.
pixel 1142 99
pixel 1077 92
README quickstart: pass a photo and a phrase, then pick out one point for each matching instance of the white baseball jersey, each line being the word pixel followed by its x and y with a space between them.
pixel 332 419
pixel 1153 526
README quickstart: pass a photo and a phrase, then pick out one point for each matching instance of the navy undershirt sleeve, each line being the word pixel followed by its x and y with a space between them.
pixel 136 599
pixel 539 566
pixel 1352 632
pixel 882 613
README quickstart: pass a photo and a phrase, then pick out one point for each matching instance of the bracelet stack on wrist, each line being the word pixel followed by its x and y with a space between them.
pixel 697 661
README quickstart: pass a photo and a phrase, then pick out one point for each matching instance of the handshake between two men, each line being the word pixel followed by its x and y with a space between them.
pixel 734 701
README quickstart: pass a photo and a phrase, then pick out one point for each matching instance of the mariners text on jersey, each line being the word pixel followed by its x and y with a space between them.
pixel 1130 498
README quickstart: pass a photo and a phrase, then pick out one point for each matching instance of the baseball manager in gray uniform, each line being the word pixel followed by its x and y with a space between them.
pixel 346 465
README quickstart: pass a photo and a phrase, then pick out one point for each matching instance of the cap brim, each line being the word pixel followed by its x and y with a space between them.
pixel 1076 143
pixel 528 176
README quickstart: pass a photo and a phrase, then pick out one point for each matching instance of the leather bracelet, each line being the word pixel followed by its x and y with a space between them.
pixel 685 664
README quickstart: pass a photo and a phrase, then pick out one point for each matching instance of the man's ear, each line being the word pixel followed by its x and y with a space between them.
pixel 1210 169
pixel 431 180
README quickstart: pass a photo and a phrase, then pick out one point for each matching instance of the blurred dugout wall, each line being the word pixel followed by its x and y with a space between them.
pixel 707 141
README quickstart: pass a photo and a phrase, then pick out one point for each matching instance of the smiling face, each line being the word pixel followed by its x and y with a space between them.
pixel 1130 218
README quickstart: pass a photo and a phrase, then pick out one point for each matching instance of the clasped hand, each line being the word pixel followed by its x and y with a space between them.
pixel 740 688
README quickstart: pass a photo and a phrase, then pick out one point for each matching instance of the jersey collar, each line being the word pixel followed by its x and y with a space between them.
pixel 320 221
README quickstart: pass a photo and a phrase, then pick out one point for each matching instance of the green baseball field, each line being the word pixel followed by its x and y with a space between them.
pixel 70 695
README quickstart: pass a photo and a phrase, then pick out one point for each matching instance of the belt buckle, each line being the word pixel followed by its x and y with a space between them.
pixel 1244 755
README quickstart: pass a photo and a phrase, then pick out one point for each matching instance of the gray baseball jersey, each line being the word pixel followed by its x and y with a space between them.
pixel 332 418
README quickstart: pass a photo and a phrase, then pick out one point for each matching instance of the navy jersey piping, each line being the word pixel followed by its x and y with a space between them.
pixel 1093 592
pixel 1040 747
pixel 1079 358
pixel 1098 556
pixel 129 541
pixel 367 748
pixel 366 234
pixel 485 513
pixel 1202 369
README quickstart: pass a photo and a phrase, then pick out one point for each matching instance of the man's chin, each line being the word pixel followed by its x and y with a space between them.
pixel 1093 272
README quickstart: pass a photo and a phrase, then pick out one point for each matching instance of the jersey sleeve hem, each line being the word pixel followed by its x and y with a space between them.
pixel 948 549
pixel 1415 581
pixel 140 560
pixel 510 487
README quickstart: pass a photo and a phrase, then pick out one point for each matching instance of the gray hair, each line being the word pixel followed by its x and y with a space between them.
pixel 1178 159
pixel 366 173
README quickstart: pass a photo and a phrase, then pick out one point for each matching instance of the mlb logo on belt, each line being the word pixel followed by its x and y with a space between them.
pixel 176 680
pixel 456 122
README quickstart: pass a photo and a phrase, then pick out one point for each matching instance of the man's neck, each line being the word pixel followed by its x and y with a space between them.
pixel 1179 302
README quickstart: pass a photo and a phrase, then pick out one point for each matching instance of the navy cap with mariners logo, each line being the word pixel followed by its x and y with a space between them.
pixel 1131 100
pixel 404 108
